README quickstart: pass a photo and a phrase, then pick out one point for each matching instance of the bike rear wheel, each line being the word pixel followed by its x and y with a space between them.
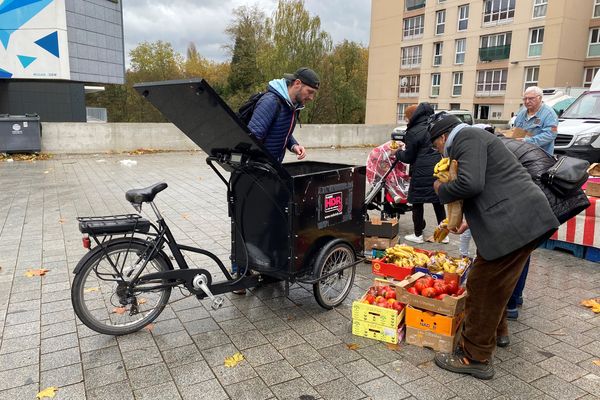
pixel 330 292
pixel 99 293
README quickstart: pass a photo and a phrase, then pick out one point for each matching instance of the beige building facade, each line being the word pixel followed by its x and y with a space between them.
pixel 477 55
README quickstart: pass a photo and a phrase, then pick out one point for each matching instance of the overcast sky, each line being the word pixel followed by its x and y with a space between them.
pixel 204 21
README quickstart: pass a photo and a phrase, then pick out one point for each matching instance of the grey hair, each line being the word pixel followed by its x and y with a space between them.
pixel 534 89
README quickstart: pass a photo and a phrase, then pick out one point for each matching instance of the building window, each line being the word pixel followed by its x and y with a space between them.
pixel 411 57
pixel 594 46
pixel 440 21
pixel 498 11
pixel 401 108
pixel 435 85
pixel 531 77
pixel 457 81
pixel 460 46
pixel 414 4
pixel 596 8
pixel 413 27
pixel 500 39
pixel 491 82
pixel 588 75
pixel 438 48
pixel 495 47
pixel 463 17
pixel 455 106
pixel 409 86
pixel 536 41
pixel 539 8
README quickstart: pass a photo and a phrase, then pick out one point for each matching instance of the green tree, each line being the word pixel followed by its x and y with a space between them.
pixel 197 66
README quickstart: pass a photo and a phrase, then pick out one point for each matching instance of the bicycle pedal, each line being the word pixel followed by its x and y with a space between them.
pixel 217 303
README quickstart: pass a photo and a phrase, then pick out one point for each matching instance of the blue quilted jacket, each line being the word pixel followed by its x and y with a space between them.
pixel 274 129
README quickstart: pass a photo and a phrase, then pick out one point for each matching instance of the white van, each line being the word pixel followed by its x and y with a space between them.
pixel 579 126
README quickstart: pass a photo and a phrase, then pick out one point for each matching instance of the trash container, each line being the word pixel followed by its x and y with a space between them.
pixel 20 133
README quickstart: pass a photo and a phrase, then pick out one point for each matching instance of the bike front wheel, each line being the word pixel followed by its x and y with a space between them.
pixel 100 295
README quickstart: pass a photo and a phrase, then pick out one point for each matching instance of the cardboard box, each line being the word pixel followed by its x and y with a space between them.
pixel 380 267
pixel 379 243
pixel 449 305
pixel 434 341
pixel 594 169
pixel 385 317
pixel 382 228
pixel 436 323
pixel 516 133
pixel 378 332
pixel 593 188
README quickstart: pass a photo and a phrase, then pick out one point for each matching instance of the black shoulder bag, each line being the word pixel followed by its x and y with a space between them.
pixel 566 176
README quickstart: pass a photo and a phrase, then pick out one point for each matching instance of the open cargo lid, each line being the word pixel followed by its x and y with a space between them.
pixel 199 112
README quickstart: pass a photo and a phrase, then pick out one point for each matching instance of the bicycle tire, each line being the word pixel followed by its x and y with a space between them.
pixel 96 301
pixel 332 256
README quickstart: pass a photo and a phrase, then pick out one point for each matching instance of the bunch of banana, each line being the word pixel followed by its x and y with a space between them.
pixel 405 256
pixel 436 264
pixel 441 231
pixel 449 267
pixel 441 170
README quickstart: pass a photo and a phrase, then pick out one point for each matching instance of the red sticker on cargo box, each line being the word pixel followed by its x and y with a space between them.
pixel 333 204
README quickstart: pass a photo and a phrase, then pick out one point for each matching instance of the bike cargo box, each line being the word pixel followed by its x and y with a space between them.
pixel 382 228
pixel 284 213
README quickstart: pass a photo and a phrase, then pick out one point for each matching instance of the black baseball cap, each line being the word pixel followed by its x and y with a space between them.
pixel 306 76
pixel 441 123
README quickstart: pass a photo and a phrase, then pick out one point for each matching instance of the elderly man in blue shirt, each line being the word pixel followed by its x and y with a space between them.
pixel 538 119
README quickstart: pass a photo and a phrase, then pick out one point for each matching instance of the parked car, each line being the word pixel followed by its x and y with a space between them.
pixel 465 116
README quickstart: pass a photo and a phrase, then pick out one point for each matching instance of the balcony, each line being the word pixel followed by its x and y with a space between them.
pixel 414 4
pixel 494 53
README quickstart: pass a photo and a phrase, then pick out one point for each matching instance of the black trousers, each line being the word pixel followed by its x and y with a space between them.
pixel 419 220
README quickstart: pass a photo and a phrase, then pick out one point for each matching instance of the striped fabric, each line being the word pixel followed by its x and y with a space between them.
pixel 584 228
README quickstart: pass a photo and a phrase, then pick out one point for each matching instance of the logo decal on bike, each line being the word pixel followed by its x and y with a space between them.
pixel 333 204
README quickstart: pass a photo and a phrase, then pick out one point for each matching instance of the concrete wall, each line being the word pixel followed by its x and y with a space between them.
pixel 71 137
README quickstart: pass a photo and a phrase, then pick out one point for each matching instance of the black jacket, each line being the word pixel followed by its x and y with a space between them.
pixel 537 161
pixel 421 157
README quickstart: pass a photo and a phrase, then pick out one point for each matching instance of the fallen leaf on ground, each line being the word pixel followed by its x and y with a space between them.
pixel 62 220
pixel 593 304
pixel 352 346
pixel 392 346
pixel 91 289
pixel 596 362
pixel 36 272
pixel 119 310
pixel 149 327
pixel 184 216
pixel 48 392
pixel 142 301
pixel 25 157
pixel 233 360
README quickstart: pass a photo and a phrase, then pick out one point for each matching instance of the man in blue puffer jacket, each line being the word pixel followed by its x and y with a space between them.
pixel 275 116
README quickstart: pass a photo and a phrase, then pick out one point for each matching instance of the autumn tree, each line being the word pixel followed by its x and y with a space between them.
pixel 197 66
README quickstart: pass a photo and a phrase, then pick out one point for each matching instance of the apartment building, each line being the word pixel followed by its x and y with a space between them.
pixel 478 55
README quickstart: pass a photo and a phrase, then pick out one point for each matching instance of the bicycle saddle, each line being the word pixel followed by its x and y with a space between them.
pixel 139 196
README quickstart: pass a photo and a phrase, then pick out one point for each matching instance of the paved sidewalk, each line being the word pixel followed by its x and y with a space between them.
pixel 293 348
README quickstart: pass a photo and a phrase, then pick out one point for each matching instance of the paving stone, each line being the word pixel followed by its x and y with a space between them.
pixel 95 342
pixel 22 392
pixel 271 325
pixel 305 325
pixel 18 377
pixel 468 387
pixel 282 339
pixel 20 343
pixel 522 369
pixel 277 372
pixel 248 339
pixel 514 388
pixel 182 355
pixel 225 314
pixel 253 389
pixel 294 389
pixel 341 389
pixel 26 329
pixel 558 388
pixel 259 313
pixel 301 354
pixel 216 355
pixel 590 383
pixel 60 358
pixel 149 375
pixel 230 375
pixel 135 341
pixel 19 359
pixel 360 371
pixel 141 358
pixel 384 389
pixel 71 392
pixel 562 368
pixel 318 372
pixel 173 340
pixel 58 329
pixel 426 388
pixel 536 337
pixel 115 391
pixel 104 375
pixel 197 326
pixel 262 355
pixel 339 354
pixel 378 354
pixel 67 375
pixel 208 390
pixel 401 371
pixel 164 391
pixel 166 326
pixel 321 339
pixel 190 374
pixel 210 339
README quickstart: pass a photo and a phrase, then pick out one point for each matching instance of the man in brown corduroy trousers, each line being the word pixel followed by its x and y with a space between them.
pixel 508 215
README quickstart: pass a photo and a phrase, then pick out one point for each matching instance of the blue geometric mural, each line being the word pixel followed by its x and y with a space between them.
pixel 49 43
pixel 15 13
pixel 5 74
pixel 26 60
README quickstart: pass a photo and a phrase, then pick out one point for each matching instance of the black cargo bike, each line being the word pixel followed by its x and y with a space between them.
pixel 299 222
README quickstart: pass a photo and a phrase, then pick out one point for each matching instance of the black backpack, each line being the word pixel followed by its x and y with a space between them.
pixel 246 110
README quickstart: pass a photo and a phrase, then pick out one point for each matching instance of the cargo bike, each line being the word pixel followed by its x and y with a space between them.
pixel 299 222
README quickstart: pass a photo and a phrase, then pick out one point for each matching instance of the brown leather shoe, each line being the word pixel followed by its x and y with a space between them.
pixel 458 362
pixel 502 341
